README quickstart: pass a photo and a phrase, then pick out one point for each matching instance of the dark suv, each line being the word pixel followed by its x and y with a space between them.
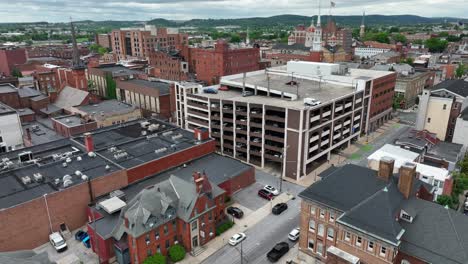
pixel 234 211
pixel 278 251
pixel 265 194
pixel 279 208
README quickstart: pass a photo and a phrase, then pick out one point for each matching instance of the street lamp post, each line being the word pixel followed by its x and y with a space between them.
pixel 48 213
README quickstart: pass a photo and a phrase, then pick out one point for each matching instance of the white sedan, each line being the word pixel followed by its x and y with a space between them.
pixel 271 189
pixel 236 239
pixel 294 234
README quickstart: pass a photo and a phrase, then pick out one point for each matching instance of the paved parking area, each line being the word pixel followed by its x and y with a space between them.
pixel 249 198
pixel 75 254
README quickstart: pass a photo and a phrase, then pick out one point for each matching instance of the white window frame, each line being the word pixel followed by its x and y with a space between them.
pixel 332 217
pixel 328 234
pixel 369 248
pixel 322 232
pixel 357 241
pixel 383 251
pixel 320 252
pixel 322 214
pixel 347 236
pixel 313 245
pixel 314 227
pixel 312 210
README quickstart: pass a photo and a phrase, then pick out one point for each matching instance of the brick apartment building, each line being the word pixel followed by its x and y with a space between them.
pixel 63 177
pixel 152 97
pixel 181 211
pixel 130 43
pixel 274 125
pixel 210 64
pixel 46 80
pixel 357 215
pixel 55 51
pixel 168 65
pixel 104 40
pixel 9 57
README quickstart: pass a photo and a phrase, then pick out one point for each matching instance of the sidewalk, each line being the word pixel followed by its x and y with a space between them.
pixel 241 225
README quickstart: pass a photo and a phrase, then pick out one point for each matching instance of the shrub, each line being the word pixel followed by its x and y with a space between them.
pixel 155 259
pixel 223 227
pixel 176 253
pixel 227 199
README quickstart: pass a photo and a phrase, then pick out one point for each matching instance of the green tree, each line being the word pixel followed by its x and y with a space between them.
pixel 446 200
pixel 409 61
pixel 155 259
pixel 443 34
pixel 381 37
pixel 16 73
pixel 399 38
pixel 235 38
pixel 460 71
pixel 418 42
pixel 176 253
pixel 111 87
pixel 436 44
pixel 398 99
pixel 394 29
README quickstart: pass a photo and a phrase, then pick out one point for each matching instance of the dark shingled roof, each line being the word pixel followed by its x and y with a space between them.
pixel 459 87
pixel 464 114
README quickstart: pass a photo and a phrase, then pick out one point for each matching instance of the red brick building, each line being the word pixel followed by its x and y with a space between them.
pixel 104 40
pixel 138 43
pixel 211 64
pixel 46 80
pixel 9 57
pixel 133 152
pixel 168 65
pixel 55 51
pixel 72 125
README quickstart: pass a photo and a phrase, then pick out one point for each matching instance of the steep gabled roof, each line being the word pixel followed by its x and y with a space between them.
pixel 458 87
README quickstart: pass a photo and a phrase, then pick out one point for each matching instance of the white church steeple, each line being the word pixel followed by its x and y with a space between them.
pixel 317 41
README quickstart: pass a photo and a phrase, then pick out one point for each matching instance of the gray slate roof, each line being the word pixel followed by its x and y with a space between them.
pixel 459 87
pixel 28 92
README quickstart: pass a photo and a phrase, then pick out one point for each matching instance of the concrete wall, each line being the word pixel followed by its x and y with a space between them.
pixel 437 117
pixel 461 133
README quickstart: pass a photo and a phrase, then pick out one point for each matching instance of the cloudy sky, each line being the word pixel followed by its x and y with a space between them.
pixel 62 10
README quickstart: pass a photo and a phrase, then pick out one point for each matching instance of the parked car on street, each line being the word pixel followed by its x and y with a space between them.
pixel 80 235
pixel 265 194
pixel 294 234
pixel 271 189
pixel 278 251
pixel 210 90
pixel 279 208
pixel 235 211
pixel 236 239
pixel 57 241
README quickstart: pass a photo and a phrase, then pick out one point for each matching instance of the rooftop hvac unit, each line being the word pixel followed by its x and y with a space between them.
pixel 84 177
pixel 143 132
pixel 26 180
pixel 167 133
pixel 177 137
pixel 117 193
pixel 78 173
pixel 79 159
pixel 64 164
pixel 113 149
pixel 56 156
pixel 145 124
pixel 68 160
pixel 91 154
pixel 37 177
pixel 108 167
pixel 25 156
pixel 160 150
pixel 57 181
pixel 67 183
pixel 153 127
pixel 66 177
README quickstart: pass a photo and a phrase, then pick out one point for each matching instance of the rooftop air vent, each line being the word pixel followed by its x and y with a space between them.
pixel 84 177
pixel 108 167
pixel 167 133
pixel 79 159
pixel 67 183
pixel 78 173
pixel 68 160
pixel 66 177
pixel 161 150
pixel 37 177
pixel 92 154
pixel 26 180
pixel 153 127
pixel 64 164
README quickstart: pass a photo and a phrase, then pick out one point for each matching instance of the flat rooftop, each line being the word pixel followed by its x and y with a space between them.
pixel 163 87
pixel 5 109
pixel 107 108
pixel 69 120
pixel 47 160
pixel 130 145
pixel 7 88
pixel 40 133
pixel 118 70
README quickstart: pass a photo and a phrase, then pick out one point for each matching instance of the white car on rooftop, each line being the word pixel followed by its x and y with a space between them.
pixel 57 241
pixel 236 239
pixel 271 189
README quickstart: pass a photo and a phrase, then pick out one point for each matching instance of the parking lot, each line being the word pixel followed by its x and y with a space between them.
pixel 75 254
pixel 249 198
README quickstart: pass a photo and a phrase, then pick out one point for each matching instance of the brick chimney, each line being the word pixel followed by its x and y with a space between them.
pixel 28 134
pixel 407 177
pixel 386 165
pixel 89 144
pixel 201 133
pixel 198 180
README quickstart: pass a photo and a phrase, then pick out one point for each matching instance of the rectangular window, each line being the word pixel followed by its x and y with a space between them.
pixel 175 238
pixel 174 225
pixel 370 246
pixel 167 243
pixel 312 210
pixel 347 236
pixel 383 251
pixel 359 241
pixel 158 249
pixel 330 233
pixel 148 253
pixel 156 234
pixel 406 217
pixel 332 218
pixel 444 107
pixel 320 248
pixel 322 213
pixel 210 216
pixel 147 239
pixel 311 244
pixel 321 230
pixel 166 230
pixel 429 120
pixel 312 225
pixel 194 225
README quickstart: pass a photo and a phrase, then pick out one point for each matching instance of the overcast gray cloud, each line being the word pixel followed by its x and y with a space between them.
pixel 61 10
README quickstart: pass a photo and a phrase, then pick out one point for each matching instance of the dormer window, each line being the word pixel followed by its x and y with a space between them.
pixel 405 216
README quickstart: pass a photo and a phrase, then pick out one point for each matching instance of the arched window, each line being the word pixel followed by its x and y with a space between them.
pixel 404 261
